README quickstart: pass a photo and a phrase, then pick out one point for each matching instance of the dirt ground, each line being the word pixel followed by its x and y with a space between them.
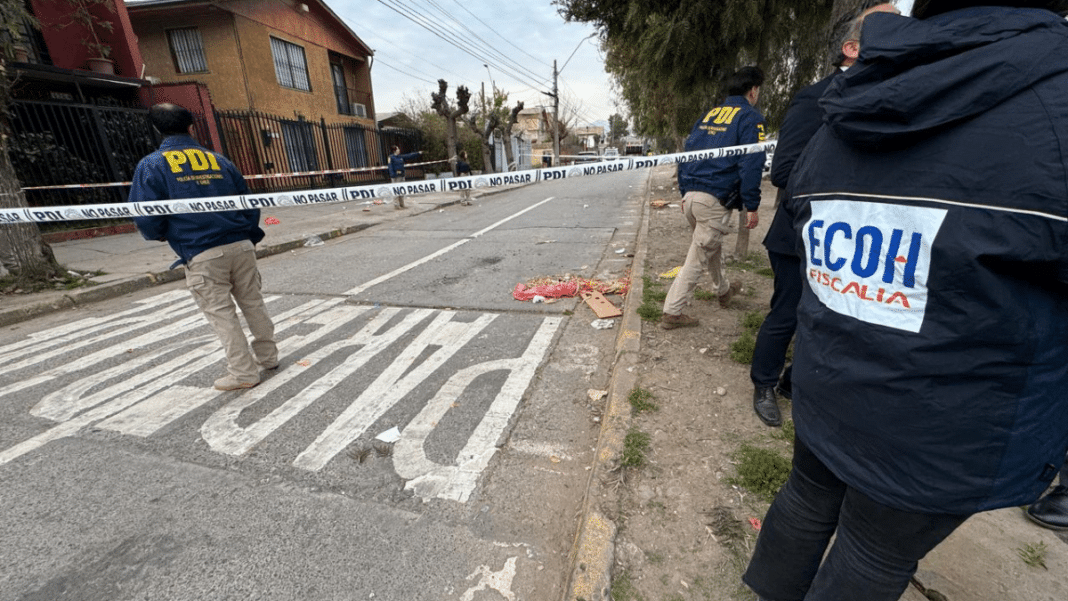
pixel 684 532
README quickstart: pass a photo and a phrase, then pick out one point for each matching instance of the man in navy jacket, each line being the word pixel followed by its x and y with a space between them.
pixel 217 249
pixel 396 171
pixel 931 364
pixel 711 187
pixel 803 119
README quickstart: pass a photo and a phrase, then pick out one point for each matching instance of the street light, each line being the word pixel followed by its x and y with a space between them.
pixel 491 77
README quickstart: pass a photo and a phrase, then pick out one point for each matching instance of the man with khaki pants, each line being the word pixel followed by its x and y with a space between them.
pixel 712 188
pixel 217 248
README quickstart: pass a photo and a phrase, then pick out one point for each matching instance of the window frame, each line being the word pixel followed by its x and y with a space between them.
pixel 203 55
pixel 288 70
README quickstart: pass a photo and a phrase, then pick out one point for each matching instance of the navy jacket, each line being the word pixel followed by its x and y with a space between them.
pixel 181 168
pixel 733 123
pixel 931 366
pixel 803 119
pixel 463 168
pixel 396 163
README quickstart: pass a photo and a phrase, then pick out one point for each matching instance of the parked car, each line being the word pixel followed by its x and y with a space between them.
pixel 588 156
pixel 611 152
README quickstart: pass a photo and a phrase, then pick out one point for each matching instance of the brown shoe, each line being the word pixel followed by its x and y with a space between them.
pixel 725 298
pixel 670 322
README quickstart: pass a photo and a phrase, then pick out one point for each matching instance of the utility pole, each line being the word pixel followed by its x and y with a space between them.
pixel 556 120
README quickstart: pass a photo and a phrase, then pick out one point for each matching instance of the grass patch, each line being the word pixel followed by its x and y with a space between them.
pixel 1034 554
pixel 742 348
pixel 703 295
pixel 766 272
pixel 653 295
pixel 760 471
pixel 635 445
pixel 68 280
pixel 641 400
pixel 786 432
pixel 623 588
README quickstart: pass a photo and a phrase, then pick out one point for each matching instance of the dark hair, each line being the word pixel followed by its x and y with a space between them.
pixel 743 80
pixel 394 148
pixel 463 154
pixel 923 9
pixel 170 119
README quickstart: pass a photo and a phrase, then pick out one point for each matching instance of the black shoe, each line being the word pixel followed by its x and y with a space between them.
pixel 1051 511
pixel 785 390
pixel 767 407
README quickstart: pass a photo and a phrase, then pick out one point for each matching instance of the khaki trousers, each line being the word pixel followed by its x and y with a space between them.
pixel 217 278
pixel 709 222
pixel 398 200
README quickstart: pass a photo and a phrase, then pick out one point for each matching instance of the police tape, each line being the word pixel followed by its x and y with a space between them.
pixel 247 177
pixel 365 195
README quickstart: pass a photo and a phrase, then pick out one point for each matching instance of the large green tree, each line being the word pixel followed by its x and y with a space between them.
pixel 669 57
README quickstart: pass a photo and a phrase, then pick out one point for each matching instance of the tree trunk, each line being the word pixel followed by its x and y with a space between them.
pixel 23 252
pixel 506 137
pixel 741 249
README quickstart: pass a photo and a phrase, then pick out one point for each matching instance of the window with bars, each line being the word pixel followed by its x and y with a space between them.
pixel 290 65
pixel 187 49
pixel 341 93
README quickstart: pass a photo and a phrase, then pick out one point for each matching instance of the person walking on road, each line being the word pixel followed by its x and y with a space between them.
pixel 217 249
pixel 930 366
pixel 396 171
pixel 463 168
pixel 803 119
pixel 712 188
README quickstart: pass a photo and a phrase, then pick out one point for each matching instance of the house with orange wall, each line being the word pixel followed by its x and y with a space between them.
pixel 284 57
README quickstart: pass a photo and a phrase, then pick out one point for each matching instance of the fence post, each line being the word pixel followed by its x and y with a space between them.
pixel 109 153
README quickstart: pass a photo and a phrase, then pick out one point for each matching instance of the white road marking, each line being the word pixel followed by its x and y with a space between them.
pixel 442 338
pixel 456 482
pixel 138 394
pixel 498 581
pixel 434 255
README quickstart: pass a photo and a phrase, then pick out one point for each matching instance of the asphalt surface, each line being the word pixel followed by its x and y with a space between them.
pixel 981 561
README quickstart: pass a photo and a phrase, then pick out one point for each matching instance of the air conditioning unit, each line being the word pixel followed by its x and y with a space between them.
pixel 359 110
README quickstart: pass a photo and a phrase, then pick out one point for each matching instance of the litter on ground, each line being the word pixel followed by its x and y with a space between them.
pixel 568 286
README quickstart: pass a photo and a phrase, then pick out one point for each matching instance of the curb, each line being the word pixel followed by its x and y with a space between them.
pixel 594 549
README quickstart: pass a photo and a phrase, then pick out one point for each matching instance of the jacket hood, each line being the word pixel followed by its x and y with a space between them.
pixel 916 76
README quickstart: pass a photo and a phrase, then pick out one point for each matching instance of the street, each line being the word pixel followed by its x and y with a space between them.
pixel 426 437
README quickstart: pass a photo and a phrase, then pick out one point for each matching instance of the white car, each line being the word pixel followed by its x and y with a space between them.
pixel 611 152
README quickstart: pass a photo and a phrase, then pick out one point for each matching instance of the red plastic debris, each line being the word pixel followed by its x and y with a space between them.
pixel 559 288
pixel 755 523
pixel 271 221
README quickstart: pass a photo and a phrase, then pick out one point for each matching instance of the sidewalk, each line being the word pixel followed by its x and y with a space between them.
pixel 132 263
pixel 637 538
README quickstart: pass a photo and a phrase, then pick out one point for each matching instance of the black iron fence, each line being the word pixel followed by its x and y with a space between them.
pixel 62 143
pixel 54 143
pixel 261 143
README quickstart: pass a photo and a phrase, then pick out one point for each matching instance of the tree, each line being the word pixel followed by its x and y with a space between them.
pixel 617 128
pixel 451 114
pixel 506 134
pixel 669 58
pixel 23 252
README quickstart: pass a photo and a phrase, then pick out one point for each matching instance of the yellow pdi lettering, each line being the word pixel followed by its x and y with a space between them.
pixel 722 114
pixel 175 158
pixel 200 161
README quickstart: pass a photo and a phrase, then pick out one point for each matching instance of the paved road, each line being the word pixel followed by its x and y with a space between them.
pixel 126 476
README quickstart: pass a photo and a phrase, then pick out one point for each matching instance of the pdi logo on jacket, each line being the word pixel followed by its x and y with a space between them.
pixel 870 260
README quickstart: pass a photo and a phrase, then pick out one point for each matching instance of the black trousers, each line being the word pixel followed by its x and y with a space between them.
pixel 778 328
pixel 876 551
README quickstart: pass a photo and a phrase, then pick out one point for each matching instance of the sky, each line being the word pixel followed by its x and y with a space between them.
pixel 508 44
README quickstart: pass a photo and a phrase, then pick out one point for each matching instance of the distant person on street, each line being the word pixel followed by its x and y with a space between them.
pixel 803 119
pixel 1051 511
pixel 217 249
pixel 463 168
pixel 396 171
pixel 931 369
pixel 712 188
